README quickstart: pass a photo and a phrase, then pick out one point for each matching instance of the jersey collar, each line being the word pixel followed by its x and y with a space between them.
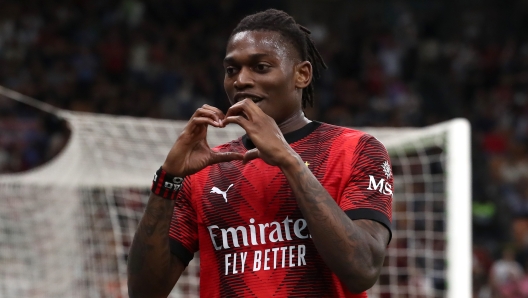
pixel 290 137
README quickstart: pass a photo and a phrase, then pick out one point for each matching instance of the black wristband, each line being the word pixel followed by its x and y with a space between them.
pixel 166 185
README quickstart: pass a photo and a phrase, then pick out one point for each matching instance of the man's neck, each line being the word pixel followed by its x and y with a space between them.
pixel 293 123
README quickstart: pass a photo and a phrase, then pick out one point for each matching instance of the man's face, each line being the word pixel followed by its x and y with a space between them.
pixel 260 65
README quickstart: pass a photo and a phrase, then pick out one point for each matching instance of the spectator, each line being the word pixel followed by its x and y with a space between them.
pixel 505 272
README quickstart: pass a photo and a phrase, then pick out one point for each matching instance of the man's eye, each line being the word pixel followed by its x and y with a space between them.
pixel 262 67
pixel 230 70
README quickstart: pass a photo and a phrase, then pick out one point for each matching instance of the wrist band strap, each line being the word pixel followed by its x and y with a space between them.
pixel 166 185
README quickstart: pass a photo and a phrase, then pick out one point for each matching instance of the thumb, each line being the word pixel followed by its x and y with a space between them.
pixel 217 157
pixel 250 155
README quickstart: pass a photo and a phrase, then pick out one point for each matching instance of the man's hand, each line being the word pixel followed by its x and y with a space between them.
pixel 191 153
pixel 263 132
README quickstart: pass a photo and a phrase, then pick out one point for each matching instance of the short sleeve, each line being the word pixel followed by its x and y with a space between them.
pixel 183 232
pixel 369 192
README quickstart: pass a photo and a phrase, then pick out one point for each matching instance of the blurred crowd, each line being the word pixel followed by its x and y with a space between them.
pixel 399 63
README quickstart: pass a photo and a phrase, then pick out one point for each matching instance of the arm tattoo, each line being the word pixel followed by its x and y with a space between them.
pixel 349 248
pixel 150 261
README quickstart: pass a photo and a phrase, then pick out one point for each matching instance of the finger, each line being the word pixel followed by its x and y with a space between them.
pixel 225 157
pixel 246 106
pixel 202 112
pixel 214 109
pixel 196 121
pixel 240 120
pixel 250 155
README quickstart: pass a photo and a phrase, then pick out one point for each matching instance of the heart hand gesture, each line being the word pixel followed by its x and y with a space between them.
pixel 263 132
pixel 191 153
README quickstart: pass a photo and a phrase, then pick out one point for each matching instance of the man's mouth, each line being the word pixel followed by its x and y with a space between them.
pixel 254 98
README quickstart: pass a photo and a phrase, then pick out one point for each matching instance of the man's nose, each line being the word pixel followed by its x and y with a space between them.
pixel 244 79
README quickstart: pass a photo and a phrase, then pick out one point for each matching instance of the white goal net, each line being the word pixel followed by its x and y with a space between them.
pixel 66 227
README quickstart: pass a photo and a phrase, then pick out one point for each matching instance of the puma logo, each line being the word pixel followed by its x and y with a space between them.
pixel 216 190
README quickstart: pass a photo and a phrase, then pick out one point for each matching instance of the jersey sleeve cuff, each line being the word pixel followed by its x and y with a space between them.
pixel 365 213
pixel 180 251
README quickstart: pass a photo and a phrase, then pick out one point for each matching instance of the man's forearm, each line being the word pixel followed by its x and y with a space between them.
pixel 348 249
pixel 152 269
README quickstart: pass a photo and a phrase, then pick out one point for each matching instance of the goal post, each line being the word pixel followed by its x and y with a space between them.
pixel 459 249
pixel 66 226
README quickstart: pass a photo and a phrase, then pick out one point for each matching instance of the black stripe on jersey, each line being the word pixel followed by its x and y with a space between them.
pixel 180 251
pixel 290 137
pixel 375 215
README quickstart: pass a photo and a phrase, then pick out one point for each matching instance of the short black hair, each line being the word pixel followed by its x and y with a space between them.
pixel 299 36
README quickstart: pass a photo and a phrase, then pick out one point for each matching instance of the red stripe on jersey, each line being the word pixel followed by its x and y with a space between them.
pixel 184 225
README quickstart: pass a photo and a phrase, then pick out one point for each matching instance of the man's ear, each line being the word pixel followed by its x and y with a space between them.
pixel 303 74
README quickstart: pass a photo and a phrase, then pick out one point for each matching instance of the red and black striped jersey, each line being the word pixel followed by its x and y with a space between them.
pixel 245 221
